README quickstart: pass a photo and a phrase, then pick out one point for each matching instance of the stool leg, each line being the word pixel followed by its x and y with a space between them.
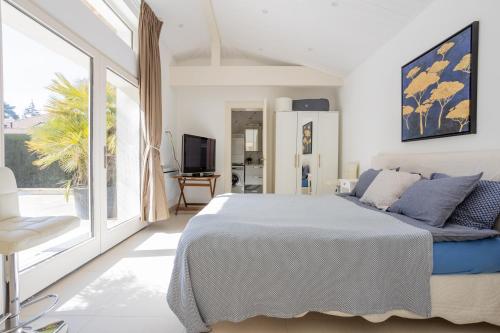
pixel 12 302
pixel 13 305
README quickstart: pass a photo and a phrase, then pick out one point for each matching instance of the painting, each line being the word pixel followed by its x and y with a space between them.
pixel 439 89
pixel 307 138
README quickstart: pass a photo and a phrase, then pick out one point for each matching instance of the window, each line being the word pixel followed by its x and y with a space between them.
pixel 251 139
pixel 47 84
pixel 105 12
pixel 122 150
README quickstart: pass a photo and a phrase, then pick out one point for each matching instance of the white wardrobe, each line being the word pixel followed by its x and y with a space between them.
pixel 307 149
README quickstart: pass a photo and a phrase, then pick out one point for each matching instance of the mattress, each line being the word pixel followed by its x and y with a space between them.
pixel 470 257
pixel 459 298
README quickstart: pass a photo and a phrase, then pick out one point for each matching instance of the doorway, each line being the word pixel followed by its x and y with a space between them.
pixel 246 147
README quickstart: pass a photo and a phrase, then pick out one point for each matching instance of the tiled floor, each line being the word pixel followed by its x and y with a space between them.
pixel 124 291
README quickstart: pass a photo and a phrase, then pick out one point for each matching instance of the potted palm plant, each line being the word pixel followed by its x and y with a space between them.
pixel 64 139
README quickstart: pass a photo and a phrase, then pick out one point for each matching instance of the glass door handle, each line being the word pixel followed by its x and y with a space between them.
pixel 105 158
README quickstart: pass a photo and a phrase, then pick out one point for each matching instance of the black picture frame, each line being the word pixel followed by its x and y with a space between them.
pixel 307 138
pixel 474 50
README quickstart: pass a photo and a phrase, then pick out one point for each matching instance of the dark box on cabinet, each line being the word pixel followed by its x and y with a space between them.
pixel 317 104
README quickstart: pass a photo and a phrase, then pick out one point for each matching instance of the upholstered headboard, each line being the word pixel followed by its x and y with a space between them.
pixel 452 163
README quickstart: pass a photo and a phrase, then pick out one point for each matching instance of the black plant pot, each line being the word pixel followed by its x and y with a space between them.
pixel 81 195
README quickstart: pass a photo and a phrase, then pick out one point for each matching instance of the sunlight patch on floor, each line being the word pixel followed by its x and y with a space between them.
pixel 160 241
pixel 129 278
pixel 76 303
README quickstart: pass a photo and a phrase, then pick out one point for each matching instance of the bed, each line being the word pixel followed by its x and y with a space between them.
pixel 284 256
pixel 459 298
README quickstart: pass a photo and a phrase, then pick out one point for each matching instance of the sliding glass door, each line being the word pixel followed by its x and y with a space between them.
pixel 122 150
pixel 122 158
pixel 71 132
pixel 47 127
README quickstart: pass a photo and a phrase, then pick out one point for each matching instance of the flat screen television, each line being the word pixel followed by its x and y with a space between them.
pixel 198 154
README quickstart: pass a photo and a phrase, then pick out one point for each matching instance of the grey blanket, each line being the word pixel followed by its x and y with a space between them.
pixel 449 233
pixel 281 256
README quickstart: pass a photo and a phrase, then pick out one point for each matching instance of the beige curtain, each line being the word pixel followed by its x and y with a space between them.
pixel 154 198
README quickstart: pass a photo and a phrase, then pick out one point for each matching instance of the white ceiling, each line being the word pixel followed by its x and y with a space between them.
pixel 331 35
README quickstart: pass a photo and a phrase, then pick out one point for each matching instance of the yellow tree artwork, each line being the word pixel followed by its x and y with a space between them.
pixel 464 64
pixel 414 71
pixel 417 88
pixel 422 82
pixel 438 67
pixel 407 112
pixel 460 113
pixel 444 49
pixel 439 88
pixel 424 110
pixel 443 95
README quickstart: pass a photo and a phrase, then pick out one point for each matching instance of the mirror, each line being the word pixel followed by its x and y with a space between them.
pixel 251 139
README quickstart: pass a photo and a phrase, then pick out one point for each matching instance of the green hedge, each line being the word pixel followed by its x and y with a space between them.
pixel 20 160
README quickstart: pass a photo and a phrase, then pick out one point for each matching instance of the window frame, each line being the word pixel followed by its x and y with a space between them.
pixel 117 13
pixel 255 136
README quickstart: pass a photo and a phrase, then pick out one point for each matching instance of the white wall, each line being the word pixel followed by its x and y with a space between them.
pixel 200 111
pixel 371 97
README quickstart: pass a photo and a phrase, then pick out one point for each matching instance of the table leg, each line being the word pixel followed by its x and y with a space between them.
pixel 212 188
pixel 209 182
pixel 183 195
pixel 181 188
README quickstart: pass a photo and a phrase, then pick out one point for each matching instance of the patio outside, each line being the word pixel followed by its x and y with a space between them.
pixel 50 202
pixel 48 151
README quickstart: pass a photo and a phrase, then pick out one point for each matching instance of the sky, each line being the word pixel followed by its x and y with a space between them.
pixel 30 60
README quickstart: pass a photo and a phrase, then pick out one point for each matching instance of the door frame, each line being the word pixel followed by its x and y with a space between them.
pixel 260 105
pixel 109 237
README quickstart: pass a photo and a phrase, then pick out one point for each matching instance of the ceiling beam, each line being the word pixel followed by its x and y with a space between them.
pixel 215 46
pixel 217 75
pixel 251 76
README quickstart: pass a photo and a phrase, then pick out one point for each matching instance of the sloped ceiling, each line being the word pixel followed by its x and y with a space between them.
pixel 331 35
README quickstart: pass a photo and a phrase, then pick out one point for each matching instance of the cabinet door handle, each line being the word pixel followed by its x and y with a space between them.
pixel 296 161
pixel 319 160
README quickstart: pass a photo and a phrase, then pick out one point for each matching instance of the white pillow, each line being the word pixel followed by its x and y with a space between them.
pixel 388 187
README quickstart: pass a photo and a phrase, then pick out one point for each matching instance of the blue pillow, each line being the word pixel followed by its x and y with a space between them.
pixel 365 179
pixel 433 201
pixel 480 209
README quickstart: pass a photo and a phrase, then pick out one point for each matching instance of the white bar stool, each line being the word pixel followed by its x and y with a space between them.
pixel 19 233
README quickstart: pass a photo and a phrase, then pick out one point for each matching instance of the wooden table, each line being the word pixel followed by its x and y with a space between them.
pixel 189 181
